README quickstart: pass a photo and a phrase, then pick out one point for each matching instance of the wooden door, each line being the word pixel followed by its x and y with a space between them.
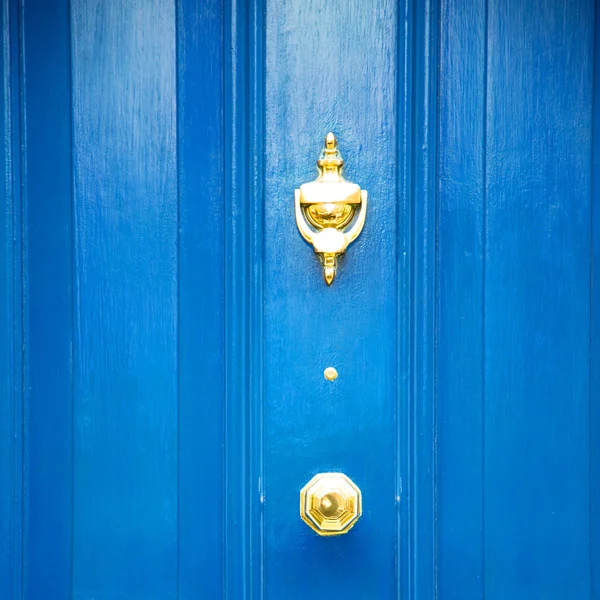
pixel 167 328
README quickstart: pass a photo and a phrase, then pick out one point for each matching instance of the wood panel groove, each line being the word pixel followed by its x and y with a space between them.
pixel 423 332
pixel 243 173
pixel 48 342
pixel 201 343
pixel 594 366
pixel 11 311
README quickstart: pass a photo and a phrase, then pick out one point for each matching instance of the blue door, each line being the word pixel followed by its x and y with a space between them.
pixel 202 397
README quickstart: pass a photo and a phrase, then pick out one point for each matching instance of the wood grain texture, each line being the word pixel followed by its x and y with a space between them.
pixel 126 281
pixel 537 274
pixel 201 315
pixel 330 66
pixel 594 414
pixel 48 299
pixel 419 482
pixel 176 327
pixel 11 316
pixel 460 263
pixel 534 187
pixel 125 156
pixel 243 234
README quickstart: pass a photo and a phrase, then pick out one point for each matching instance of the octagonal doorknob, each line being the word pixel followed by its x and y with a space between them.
pixel 330 503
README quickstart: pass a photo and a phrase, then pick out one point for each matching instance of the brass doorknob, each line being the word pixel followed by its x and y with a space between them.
pixel 330 503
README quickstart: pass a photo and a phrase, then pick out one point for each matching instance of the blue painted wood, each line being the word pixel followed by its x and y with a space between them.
pixel 405 148
pixel 422 334
pixel 126 281
pixel 460 264
pixel 416 94
pixel 515 178
pixel 191 320
pixel 48 292
pixel 311 424
pixel 243 201
pixel 537 313
pixel 594 413
pixel 201 315
pixel 11 316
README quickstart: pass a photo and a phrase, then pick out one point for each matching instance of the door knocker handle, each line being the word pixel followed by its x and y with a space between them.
pixel 326 207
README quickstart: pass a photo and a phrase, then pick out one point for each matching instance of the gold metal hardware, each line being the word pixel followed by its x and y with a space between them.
pixel 330 504
pixel 326 206
pixel 330 373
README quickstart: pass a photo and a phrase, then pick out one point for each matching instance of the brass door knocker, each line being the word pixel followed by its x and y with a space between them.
pixel 327 206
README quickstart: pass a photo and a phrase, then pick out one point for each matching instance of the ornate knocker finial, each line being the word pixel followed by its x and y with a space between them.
pixel 326 206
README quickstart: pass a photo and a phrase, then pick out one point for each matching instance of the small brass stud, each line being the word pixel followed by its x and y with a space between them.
pixel 330 373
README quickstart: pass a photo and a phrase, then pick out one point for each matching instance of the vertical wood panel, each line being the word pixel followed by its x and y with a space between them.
pixel 125 190
pixel 150 503
pixel 416 402
pixel 422 408
pixel 460 299
pixel 243 205
pixel 47 164
pixel 595 331
pixel 404 425
pixel 330 66
pixel 10 311
pixel 201 298
pixel 536 458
